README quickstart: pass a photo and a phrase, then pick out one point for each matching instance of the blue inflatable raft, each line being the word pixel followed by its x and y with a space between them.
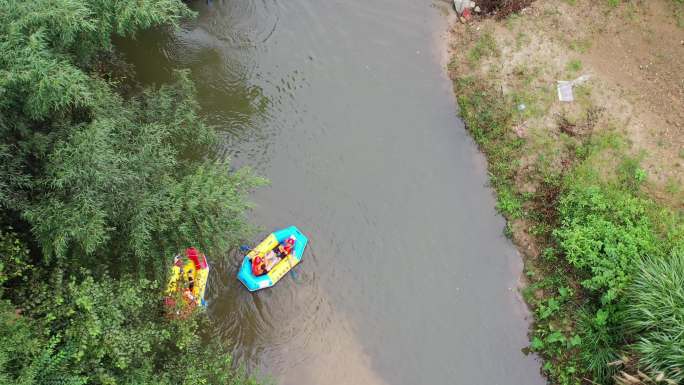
pixel 281 268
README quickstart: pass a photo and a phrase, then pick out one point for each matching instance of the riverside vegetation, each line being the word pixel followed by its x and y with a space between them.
pixel 97 191
pixel 603 241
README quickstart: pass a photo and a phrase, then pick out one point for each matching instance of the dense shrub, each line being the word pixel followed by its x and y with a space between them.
pixel 604 232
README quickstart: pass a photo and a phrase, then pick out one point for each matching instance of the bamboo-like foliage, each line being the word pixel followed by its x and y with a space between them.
pixel 655 315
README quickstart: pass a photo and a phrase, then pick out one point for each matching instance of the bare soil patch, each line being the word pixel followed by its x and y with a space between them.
pixel 634 55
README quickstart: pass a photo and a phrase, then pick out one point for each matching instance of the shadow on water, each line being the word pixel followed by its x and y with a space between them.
pixel 344 107
pixel 220 64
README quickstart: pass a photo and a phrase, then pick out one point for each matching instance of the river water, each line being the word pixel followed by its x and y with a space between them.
pixel 346 108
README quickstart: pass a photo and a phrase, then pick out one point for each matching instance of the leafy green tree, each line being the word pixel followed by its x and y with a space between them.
pixel 126 185
pixel 96 176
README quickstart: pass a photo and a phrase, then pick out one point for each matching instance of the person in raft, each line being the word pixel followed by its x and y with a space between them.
pixel 178 261
pixel 283 250
pixel 193 255
pixel 189 298
pixel 262 266
pixel 271 259
pixel 191 280
pixel 258 266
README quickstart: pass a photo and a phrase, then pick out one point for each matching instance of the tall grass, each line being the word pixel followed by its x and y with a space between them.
pixel 654 315
pixel 600 338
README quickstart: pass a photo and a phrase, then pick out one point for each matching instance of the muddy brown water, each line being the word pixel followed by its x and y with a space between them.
pixel 345 107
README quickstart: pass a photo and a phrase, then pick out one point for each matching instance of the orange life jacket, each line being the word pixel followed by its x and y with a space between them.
pixel 257 266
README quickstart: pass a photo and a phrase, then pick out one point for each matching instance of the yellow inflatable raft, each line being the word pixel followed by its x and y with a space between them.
pixel 189 278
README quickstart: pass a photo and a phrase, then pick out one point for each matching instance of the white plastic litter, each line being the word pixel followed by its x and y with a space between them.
pixel 565 88
pixel 565 91
pixel 460 5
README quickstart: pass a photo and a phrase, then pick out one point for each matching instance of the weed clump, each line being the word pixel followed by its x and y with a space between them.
pixel 503 8
pixel 485 46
